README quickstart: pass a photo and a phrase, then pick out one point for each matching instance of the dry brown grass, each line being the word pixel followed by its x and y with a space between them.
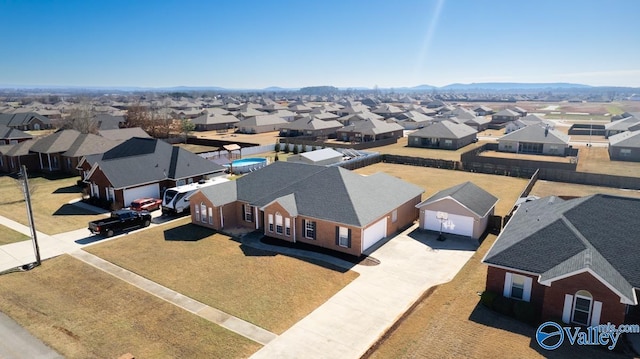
pixel 267 138
pixel 450 323
pixel 506 189
pixel 548 188
pixel 270 290
pixel 49 199
pixel 521 156
pixel 83 312
pixel 596 160
pixel 400 148
pixel 8 235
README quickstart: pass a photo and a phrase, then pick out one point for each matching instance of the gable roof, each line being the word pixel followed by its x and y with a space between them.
pixel 262 120
pixel 147 160
pixel 507 112
pixel 10 133
pixel 21 118
pixel 622 124
pixel 19 149
pixel 625 139
pixel 328 193
pixel 445 129
pixel 60 141
pixel 371 127
pixel 123 133
pixel 321 154
pixel 474 198
pixel 556 238
pixel 214 118
pixel 89 144
pixel 536 134
pixel 312 123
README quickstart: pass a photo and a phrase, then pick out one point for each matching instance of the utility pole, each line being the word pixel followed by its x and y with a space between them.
pixel 27 197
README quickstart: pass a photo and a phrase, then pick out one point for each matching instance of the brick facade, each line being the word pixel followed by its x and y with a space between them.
pixel 550 300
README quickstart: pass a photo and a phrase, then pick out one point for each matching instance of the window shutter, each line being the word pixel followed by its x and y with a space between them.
pixel 244 216
pixel 315 230
pixel 566 311
pixel 337 235
pixel 526 294
pixel 349 238
pixel 507 285
pixel 595 316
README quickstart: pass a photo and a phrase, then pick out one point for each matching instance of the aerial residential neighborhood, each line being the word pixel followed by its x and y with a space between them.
pixel 319 180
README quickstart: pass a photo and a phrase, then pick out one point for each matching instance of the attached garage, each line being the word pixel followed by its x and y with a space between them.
pixel 131 194
pixel 454 224
pixel 374 233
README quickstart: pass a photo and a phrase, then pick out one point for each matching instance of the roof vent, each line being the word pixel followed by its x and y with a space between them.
pixel 587 258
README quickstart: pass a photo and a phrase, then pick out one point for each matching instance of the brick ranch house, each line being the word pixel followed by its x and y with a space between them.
pixel 330 207
pixel 143 167
pixel 573 260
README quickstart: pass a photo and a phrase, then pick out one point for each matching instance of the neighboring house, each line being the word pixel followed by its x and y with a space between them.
pixel 143 167
pixel 369 130
pixel 480 123
pixel 535 139
pixel 573 260
pixel 12 157
pixel 446 135
pixel 483 110
pixel 215 120
pixel 322 157
pixel 108 122
pixel 360 116
pixel 10 136
pixel 285 115
pixel 62 150
pixel 312 127
pixel 329 207
pixel 122 134
pixel 526 121
pixel 462 210
pixel 387 111
pixel 261 124
pixel 626 124
pixel 25 121
pixel 412 120
pixel 506 115
pixel 625 146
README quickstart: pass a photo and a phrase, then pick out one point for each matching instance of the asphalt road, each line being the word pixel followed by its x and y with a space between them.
pixel 17 343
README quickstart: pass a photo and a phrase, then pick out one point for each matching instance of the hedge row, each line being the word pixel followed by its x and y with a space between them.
pixel 521 310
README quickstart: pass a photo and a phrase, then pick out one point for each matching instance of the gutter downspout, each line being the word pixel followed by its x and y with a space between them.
pixel 294 229
pixel 40 158
pixel 221 219
pixel 256 218
pixel 49 159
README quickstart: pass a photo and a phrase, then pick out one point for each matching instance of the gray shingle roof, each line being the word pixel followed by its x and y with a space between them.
pixel 89 144
pixel 312 123
pixel 321 154
pixel 123 133
pixel 59 141
pixel 371 127
pixel 622 124
pixel 146 160
pixel 552 238
pixel 536 134
pixel 625 139
pixel 445 129
pixel 507 112
pixel 9 133
pixel 329 193
pixel 469 195
pixel 21 119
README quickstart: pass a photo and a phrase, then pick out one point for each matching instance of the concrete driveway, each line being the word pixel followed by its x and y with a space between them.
pixel 351 321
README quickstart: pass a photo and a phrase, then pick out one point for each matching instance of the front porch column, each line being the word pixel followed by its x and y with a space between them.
pixel 256 218
pixel 40 158
pixel 49 159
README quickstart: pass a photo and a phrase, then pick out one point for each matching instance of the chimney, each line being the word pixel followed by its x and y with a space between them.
pixel 546 131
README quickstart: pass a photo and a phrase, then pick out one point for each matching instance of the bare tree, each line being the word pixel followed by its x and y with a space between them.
pixel 81 118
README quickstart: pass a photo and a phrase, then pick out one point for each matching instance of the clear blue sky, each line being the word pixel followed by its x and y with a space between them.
pixel 348 43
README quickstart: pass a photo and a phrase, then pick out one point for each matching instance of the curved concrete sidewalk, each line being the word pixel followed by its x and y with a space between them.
pixel 353 320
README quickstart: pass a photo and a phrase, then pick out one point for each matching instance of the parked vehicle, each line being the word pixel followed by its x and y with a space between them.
pixel 146 204
pixel 121 220
pixel 175 199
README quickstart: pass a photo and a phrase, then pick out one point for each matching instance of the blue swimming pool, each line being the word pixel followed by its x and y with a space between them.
pixel 247 164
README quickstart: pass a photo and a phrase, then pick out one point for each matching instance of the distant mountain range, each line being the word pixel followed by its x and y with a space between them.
pixel 488 86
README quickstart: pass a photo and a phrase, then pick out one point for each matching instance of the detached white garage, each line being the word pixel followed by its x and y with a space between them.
pixel 453 223
pixel 131 194
pixel 374 233
pixel 462 210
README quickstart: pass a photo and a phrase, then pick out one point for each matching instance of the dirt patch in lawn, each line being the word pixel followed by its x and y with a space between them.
pixel 401 149
pixel 270 290
pixel 83 312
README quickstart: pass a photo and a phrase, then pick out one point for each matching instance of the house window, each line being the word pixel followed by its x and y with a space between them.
pixel 197 214
pixel 448 143
pixel 203 212
pixel 210 215
pixel 180 183
pixel 582 307
pixel 287 226
pixel 68 163
pixel 394 216
pixel 517 287
pixel 248 213
pixel 625 152
pixel 11 163
pixel 190 181
pixel 270 222
pixel 109 193
pixel 343 237
pixel 278 223
pixel 310 229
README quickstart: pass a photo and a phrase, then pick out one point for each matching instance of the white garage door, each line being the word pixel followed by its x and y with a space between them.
pixel 131 194
pixel 460 225
pixel 374 233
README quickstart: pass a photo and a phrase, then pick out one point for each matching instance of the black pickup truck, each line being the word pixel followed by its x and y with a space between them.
pixel 121 220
